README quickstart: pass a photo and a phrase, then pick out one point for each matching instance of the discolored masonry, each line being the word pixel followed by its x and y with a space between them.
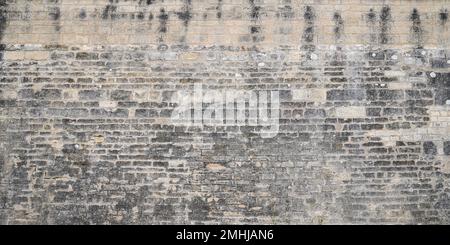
pixel 356 93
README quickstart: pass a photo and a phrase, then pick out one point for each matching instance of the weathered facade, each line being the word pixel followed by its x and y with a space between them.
pixel 88 88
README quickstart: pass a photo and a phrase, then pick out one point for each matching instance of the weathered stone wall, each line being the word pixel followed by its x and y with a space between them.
pixel 88 87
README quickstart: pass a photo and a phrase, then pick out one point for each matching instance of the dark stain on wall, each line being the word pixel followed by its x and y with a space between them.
pixel 264 192
pixel 82 15
pixel 3 23
pixel 385 21
pixel 55 13
pixel 163 18
pixel 443 16
pixel 219 9
pixel 416 27
pixel 379 33
pixel 140 16
pixel 27 13
pixel 371 20
pixel 147 2
pixel 308 31
pixel 186 14
pixel 338 26
pixel 254 10
pixel 255 28
pixel 371 16
pixel 110 11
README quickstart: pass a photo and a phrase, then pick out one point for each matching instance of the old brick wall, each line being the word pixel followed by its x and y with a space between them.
pixel 88 87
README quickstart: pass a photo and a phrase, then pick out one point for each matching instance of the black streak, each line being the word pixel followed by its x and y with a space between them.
pixel 255 10
pixel 443 16
pixel 219 9
pixel 416 27
pixel 148 2
pixel 55 13
pixel 385 18
pixel 163 17
pixel 3 22
pixel 255 29
pixel 254 16
pixel 371 16
pixel 308 32
pixel 82 14
pixel 309 14
pixel 140 16
pixel 338 25
pixel 109 11
pixel 185 15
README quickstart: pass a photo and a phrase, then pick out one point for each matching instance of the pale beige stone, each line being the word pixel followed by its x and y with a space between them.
pixel 190 56
pixel 107 104
pixel 214 166
pixel 394 73
pixel 14 55
pixel 400 85
pixel 71 95
pixel 98 138
pixel 351 112
pixel 317 95
pixel 57 145
pixel 8 94
pixel 37 55
pixel 445 164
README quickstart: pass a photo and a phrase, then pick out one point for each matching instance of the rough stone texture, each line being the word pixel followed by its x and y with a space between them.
pixel 86 94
